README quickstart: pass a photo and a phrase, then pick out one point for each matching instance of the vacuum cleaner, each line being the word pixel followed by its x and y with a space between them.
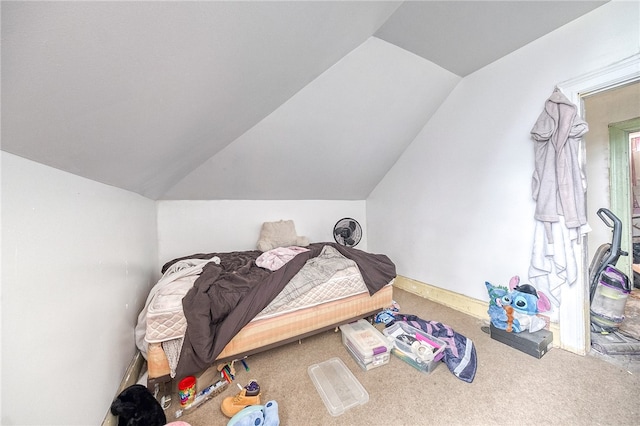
pixel 609 287
pixel 608 292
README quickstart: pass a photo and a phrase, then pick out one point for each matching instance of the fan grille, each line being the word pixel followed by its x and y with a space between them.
pixel 347 232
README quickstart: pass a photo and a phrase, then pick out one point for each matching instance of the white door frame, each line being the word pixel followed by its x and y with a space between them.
pixel 574 310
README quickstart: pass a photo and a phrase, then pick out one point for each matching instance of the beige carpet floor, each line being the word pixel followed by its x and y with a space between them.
pixel 510 387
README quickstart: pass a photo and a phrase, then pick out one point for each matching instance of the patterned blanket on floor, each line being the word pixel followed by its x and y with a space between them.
pixel 460 354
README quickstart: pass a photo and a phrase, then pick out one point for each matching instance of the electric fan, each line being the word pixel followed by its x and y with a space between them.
pixel 347 232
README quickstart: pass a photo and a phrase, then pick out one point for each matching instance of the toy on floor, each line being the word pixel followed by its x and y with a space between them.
pixel 257 415
pixel 203 396
pixel 228 371
pixel 248 395
pixel 514 309
pixel 386 315
pixel 137 406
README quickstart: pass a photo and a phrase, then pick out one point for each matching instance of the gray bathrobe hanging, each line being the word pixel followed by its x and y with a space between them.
pixel 559 190
pixel 558 183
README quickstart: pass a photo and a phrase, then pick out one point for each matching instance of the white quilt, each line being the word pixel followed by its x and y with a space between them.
pixel 162 317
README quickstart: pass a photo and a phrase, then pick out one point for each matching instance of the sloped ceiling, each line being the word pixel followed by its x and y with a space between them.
pixel 243 100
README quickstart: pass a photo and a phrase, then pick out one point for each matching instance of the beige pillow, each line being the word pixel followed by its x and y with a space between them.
pixel 279 234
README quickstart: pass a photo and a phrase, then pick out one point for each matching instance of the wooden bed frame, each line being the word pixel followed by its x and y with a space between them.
pixel 264 334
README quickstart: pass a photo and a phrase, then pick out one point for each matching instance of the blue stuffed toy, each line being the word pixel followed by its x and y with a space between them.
pixel 257 415
pixel 514 309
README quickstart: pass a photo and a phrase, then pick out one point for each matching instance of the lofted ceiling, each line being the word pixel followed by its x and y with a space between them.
pixel 244 100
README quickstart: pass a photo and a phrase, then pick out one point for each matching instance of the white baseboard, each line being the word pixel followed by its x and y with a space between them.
pixel 468 305
pixel 134 371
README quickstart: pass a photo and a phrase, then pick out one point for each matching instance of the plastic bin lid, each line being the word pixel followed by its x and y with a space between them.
pixel 367 339
pixel 337 386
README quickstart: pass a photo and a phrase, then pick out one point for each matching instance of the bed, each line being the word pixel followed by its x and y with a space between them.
pixel 216 307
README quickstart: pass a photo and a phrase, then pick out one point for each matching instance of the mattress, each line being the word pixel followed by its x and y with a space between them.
pixel 344 283
pixel 166 320
pixel 267 332
pixel 165 317
pixel 162 317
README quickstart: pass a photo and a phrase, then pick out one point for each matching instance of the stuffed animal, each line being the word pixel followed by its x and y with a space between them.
pixel 136 406
pixel 515 309
pixel 497 313
pixel 257 415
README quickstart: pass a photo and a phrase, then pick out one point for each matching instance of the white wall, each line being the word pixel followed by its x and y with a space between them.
pixel 456 209
pixel 77 264
pixel 188 227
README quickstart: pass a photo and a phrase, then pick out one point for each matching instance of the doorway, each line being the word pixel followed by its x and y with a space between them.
pixel 625 196
pixel 613 116
pixel 574 311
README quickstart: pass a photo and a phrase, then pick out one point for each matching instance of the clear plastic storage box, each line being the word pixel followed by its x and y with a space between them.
pixel 415 347
pixel 337 386
pixel 366 344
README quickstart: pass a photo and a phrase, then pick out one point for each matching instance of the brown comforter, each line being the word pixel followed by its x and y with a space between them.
pixel 226 297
